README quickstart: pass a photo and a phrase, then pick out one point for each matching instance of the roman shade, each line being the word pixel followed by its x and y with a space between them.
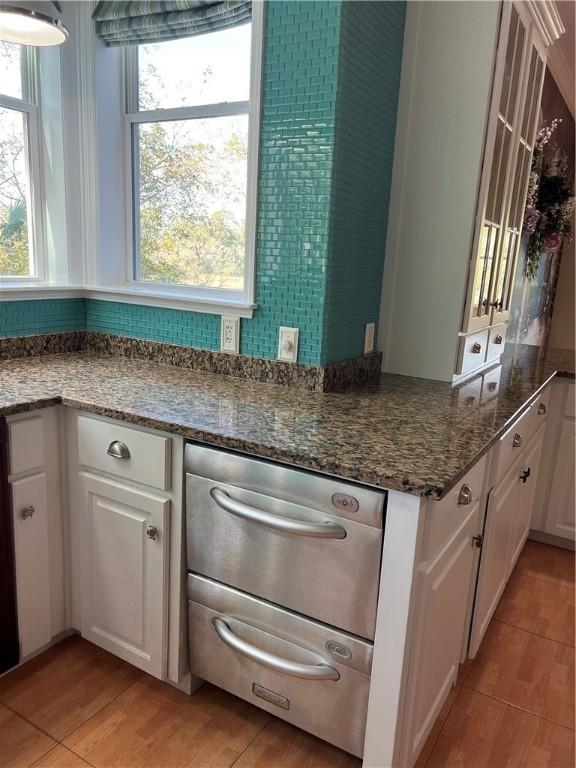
pixel 152 21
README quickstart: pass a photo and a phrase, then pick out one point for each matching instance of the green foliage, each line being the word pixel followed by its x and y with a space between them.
pixel 14 256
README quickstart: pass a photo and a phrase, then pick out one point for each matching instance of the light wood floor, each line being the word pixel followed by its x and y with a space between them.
pixel 76 705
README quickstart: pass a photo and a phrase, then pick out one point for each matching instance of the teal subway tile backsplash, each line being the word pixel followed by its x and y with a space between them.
pixel 26 318
pixel 329 92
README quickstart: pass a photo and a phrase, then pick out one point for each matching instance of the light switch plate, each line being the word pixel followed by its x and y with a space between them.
pixel 288 344
pixel 230 334
pixel 369 332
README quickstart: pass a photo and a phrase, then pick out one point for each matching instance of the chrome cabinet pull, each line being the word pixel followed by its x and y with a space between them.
pixel 325 530
pixel 118 450
pixel 27 512
pixel 465 496
pixel 541 409
pixel 518 440
pixel 498 339
pixel 277 663
pixel 152 532
pixel 476 348
pixel 525 474
pixel 478 540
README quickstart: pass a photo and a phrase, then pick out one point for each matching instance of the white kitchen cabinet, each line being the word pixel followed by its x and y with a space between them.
pixel 527 480
pixel 562 502
pixel 472 76
pixel 125 556
pixel 443 582
pixel 39 530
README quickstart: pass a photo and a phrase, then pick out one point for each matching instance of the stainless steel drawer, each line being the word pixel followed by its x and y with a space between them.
pixel 305 542
pixel 313 676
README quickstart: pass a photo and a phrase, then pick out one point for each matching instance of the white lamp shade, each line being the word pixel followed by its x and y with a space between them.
pixel 31 24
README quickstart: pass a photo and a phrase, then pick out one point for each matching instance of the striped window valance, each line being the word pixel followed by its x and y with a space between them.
pixel 131 23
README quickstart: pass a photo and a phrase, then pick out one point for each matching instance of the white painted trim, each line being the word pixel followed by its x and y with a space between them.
pixel 37 291
pixel 214 306
pixel 563 75
pixel 546 18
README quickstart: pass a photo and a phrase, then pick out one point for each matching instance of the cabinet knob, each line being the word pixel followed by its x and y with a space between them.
pixel 498 339
pixel 152 532
pixel 525 474
pixel 541 409
pixel 476 348
pixel 465 496
pixel 518 440
pixel 118 450
pixel 27 512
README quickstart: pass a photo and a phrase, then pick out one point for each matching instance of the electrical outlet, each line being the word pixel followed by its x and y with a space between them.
pixel 230 334
pixel 288 344
pixel 369 332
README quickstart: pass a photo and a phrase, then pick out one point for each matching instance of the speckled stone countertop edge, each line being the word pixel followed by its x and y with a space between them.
pixel 342 471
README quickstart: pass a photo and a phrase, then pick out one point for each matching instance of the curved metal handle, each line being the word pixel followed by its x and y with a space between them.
pixel 518 440
pixel 325 530
pixel 118 450
pixel 27 512
pixel 498 339
pixel 524 475
pixel 465 496
pixel 476 348
pixel 541 409
pixel 277 663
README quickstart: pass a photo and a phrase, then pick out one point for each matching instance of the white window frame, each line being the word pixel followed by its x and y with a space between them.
pixel 28 106
pixel 211 296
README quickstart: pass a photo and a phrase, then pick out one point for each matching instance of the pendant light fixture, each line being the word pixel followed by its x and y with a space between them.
pixel 32 23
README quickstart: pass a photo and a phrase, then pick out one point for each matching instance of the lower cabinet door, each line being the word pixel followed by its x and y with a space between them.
pixel 527 484
pixel 495 558
pixel 444 587
pixel 32 562
pixel 562 503
pixel 124 581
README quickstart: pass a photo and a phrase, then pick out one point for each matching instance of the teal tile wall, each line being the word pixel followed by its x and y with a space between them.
pixel 24 318
pixel 368 83
pixel 323 192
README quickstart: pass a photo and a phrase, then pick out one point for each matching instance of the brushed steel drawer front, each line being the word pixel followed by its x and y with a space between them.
pixel 333 579
pixel 332 709
pixel 362 505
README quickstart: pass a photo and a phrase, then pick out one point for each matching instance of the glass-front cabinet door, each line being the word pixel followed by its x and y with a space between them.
pixel 491 238
pixel 524 140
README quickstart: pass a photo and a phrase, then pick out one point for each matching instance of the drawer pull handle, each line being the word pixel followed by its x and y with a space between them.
pixel 524 475
pixel 326 530
pixel 277 663
pixel 476 348
pixel 541 409
pixel 27 512
pixel 465 496
pixel 498 339
pixel 118 450
pixel 518 440
pixel 152 532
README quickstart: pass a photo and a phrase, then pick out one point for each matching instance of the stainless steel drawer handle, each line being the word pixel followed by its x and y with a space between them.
pixel 118 450
pixel 498 339
pixel 277 663
pixel 476 348
pixel 541 409
pixel 517 441
pixel 27 512
pixel 325 530
pixel 465 496
pixel 525 474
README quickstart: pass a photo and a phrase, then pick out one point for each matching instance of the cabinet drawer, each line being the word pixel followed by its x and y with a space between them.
pixel 491 384
pixel 496 340
pixel 537 413
pixel 26 445
pixel 124 452
pixel 250 647
pixel 447 515
pixel 472 351
pixel 511 445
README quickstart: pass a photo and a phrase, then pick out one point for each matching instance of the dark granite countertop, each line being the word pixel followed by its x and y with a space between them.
pixel 400 433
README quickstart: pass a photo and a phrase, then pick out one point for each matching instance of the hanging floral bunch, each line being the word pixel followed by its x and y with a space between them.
pixel 549 203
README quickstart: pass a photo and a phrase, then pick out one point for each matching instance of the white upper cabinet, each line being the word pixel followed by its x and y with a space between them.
pixel 472 77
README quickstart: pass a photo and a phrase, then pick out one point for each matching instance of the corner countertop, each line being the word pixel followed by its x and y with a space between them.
pixel 400 433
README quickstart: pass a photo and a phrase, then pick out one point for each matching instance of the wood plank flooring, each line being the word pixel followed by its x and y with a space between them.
pixel 76 706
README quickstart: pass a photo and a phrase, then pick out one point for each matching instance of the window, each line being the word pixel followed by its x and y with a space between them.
pixel 192 167
pixel 20 256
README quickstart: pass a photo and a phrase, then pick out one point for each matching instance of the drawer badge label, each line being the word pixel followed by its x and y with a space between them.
pixel 338 649
pixel 345 503
pixel 270 696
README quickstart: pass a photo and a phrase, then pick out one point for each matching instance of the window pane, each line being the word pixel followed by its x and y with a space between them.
pixel 205 69
pixel 15 257
pixel 10 69
pixel 190 191
pixel 483 274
